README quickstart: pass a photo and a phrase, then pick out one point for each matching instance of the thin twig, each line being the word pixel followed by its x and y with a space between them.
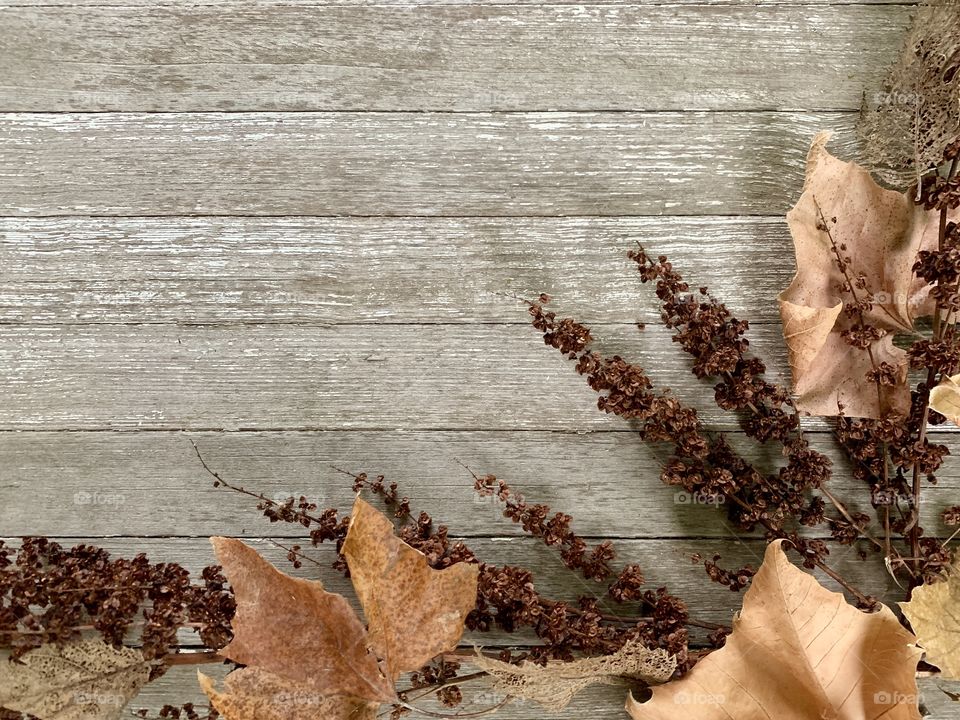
pixel 938 328
pixel 841 508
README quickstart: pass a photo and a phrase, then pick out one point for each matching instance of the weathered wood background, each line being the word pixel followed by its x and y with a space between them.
pixel 287 230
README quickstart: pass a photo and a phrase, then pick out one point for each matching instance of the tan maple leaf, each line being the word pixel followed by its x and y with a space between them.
pixel 413 611
pixel 255 694
pixel 294 629
pixel 555 684
pixel 934 615
pixel 843 209
pixel 797 652
pixel 82 680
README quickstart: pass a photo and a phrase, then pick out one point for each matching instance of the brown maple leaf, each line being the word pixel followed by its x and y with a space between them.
pixel 797 652
pixel 842 210
pixel 306 647
pixel 414 612
pixel 296 630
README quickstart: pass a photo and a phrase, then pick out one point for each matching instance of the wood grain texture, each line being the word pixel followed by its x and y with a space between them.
pixel 597 703
pixel 540 164
pixel 316 377
pixel 445 57
pixel 266 5
pixel 372 270
pixel 152 484
pixel 387 377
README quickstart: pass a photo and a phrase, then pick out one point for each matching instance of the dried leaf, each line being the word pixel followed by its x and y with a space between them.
pixel 934 615
pixel 413 611
pixel 255 694
pixel 307 651
pixel 294 629
pixel 917 115
pixel 553 686
pixel 82 680
pixel 945 398
pixel 881 231
pixel 797 652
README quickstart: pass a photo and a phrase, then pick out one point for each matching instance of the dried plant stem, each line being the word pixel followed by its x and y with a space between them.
pixel 90 628
pixel 513 503
pixel 839 578
pixel 433 689
pixel 818 563
pixel 853 292
pixel 887 548
pixel 460 680
pixel 913 533
pixel 841 508
pixel 298 553
pixel 480 713
pixel 243 491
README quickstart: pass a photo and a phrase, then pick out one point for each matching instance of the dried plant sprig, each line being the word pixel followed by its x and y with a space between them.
pixel 700 463
pixel 51 594
pixel 709 332
pixel 508 599
pixel 716 339
pixel 555 530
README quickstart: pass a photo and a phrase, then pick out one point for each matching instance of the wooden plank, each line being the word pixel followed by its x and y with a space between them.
pixel 597 703
pixel 606 703
pixel 307 377
pixel 348 270
pixel 445 57
pixel 74 482
pixel 266 4
pixel 543 164
pixel 404 377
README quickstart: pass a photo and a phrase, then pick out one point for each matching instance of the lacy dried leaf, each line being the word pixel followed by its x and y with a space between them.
pixel 295 629
pixel 934 615
pixel 797 652
pixel 255 694
pixel 882 231
pixel 945 398
pixel 553 686
pixel 910 123
pixel 82 680
pixel 413 611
